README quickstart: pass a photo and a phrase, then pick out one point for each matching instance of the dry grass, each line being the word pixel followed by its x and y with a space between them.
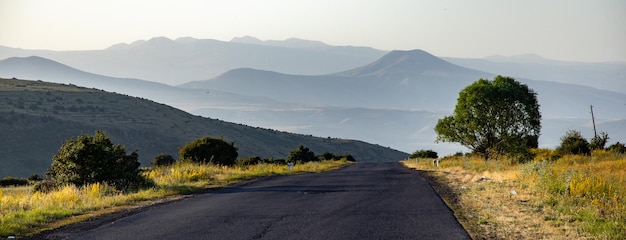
pixel 24 212
pixel 574 197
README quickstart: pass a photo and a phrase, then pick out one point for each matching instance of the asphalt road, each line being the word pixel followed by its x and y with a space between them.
pixel 360 201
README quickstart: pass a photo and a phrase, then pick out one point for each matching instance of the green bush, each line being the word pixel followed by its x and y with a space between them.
pixel 47 185
pixel 573 143
pixel 279 161
pixel 598 142
pixel 163 159
pixel 301 155
pixel 424 154
pixel 92 159
pixel 327 156
pixel 617 148
pixel 209 150
pixel 11 181
pixel 349 158
pixel 250 161
pixel 35 178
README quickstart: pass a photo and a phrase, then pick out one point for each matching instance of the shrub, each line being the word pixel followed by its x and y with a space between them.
pixel 94 159
pixel 349 158
pixel 209 150
pixel 279 161
pixel 424 154
pixel 45 186
pixel 617 148
pixel 163 159
pixel 598 142
pixel 327 156
pixel 35 178
pixel 573 143
pixel 250 161
pixel 11 181
pixel 301 155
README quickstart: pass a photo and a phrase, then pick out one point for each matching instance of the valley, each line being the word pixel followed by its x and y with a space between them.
pixel 390 99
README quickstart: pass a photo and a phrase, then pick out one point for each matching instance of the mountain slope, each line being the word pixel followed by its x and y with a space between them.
pixel 40 68
pixel 36 117
pixel 400 79
pixel 408 63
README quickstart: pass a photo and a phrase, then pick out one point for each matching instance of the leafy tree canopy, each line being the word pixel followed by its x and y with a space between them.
pixel 494 117
pixel 91 159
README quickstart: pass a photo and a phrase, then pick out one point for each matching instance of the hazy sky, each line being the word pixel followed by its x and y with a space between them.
pixel 580 30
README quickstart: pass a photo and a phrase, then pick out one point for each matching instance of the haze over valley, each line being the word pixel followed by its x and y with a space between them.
pixel 388 98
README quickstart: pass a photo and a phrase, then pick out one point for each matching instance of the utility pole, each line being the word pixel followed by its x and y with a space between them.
pixel 595 134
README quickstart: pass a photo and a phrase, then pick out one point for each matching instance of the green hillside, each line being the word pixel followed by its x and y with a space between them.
pixel 36 117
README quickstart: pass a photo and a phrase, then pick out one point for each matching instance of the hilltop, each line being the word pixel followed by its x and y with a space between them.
pixel 36 117
pixel 397 80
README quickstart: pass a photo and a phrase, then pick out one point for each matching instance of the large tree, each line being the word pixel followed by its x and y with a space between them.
pixel 494 117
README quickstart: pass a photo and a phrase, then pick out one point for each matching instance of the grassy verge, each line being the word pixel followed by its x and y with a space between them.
pixel 574 197
pixel 24 212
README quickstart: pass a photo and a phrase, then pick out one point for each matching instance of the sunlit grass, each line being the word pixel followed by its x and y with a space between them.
pixel 24 211
pixel 569 197
pixel 590 189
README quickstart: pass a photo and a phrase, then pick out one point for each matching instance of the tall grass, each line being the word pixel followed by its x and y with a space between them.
pixel 590 189
pixel 588 192
pixel 24 211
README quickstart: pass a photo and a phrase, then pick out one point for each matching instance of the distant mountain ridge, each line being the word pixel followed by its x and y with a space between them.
pixel 400 73
pixel 178 61
pixel 606 76
pixel 185 59
pixel 290 42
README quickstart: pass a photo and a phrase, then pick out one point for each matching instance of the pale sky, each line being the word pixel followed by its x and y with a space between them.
pixel 574 30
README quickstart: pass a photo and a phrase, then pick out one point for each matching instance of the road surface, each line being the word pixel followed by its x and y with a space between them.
pixel 360 201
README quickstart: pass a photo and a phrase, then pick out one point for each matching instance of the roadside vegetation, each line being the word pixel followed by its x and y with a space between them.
pixel 507 188
pixel 80 188
pixel 566 197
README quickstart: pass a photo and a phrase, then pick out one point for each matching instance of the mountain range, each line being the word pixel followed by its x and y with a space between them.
pixel 398 80
pixel 606 75
pixel 387 98
pixel 186 59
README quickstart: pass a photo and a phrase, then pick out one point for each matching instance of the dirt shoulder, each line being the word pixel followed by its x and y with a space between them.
pixel 493 205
